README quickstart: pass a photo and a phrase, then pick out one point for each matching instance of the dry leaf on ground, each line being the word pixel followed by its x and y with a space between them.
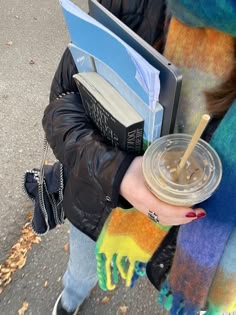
pixel 67 247
pixel 18 255
pixel 23 309
pixel 123 309
pixel 105 300
pixel 29 216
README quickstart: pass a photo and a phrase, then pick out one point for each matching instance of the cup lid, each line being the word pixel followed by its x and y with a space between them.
pixel 197 181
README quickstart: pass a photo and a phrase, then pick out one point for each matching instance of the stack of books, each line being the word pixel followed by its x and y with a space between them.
pixel 119 88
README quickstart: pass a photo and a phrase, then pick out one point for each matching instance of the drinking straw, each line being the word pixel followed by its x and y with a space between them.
pixel 196 136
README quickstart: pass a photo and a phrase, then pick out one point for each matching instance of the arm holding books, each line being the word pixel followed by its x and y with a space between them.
pixel 97 172
pixel 94 167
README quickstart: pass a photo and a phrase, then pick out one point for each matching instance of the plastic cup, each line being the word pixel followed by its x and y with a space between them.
pixel 197 181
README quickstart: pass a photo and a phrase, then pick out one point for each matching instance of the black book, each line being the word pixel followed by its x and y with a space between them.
pixel 117 120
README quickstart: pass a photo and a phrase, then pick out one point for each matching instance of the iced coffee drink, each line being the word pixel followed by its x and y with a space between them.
pixel 196 181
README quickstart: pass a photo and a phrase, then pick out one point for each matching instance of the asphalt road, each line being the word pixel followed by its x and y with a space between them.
pixel 32 38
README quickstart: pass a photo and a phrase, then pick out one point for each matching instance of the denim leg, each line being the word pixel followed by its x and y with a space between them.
pixel 80 276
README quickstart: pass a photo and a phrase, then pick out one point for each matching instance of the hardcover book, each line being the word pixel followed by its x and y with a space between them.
pixel 117 120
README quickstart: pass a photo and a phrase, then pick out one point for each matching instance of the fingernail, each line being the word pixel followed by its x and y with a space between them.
pixel 201 215
pixel 191 215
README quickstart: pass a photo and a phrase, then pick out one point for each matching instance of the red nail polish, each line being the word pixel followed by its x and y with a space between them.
pixel 201 215
pixel 191 215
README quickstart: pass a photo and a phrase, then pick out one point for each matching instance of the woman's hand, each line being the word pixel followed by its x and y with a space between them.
pixel 134 189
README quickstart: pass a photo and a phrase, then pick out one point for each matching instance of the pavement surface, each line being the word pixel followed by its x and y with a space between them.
pixel 32 38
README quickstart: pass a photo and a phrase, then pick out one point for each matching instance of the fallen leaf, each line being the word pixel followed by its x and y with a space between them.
pixel 28 224
pixel 6 276
pixel 123 309
pixel 22 263
pixel 16 246
pixel 46 284
pixel 10 43
pixel 36 240
pixel 29 216
pixel 105 300
pixel 13 265
pixel 7 282
pixel 25 230
pixel 5 270
pixel 67 247
pixel 23 309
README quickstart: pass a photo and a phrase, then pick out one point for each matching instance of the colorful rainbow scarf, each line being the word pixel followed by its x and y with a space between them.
pixel 203 274
pixel 125 245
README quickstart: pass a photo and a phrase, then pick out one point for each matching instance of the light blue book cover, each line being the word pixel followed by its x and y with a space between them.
pixel 95 48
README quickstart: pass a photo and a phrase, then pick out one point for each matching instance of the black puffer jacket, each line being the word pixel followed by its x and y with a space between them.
pixel 94 169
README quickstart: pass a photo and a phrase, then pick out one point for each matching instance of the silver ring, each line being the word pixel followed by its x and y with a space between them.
pixel 153 216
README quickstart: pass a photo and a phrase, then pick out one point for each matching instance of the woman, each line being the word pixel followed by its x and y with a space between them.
pixel 100 177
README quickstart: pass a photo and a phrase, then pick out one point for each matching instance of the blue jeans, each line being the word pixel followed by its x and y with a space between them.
pixel 81 276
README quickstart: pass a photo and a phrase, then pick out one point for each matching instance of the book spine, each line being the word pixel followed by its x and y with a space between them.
pixel 127 138
pixel 134 141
